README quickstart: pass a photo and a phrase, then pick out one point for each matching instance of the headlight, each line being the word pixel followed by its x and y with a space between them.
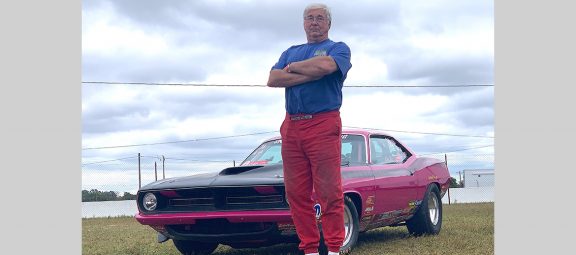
pixel 149 202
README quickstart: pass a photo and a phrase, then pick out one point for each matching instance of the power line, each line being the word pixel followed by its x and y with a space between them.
pixel 424 133
pixel 198 160
pixel 259 85
pixel 118 159
pixel 466 149
pixel 183 141
pixel 259 133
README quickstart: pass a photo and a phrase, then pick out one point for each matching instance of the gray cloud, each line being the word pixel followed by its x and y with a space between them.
pixel 441 70
pixel 210 38
pixel 134 68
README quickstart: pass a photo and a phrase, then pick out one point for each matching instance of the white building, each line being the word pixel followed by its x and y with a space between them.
pixel 478 178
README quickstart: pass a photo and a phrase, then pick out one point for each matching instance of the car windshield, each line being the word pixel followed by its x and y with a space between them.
pixel 267 153
pixel 353 152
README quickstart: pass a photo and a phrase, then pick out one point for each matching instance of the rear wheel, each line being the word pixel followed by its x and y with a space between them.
pixel 187 247
pixel 428 217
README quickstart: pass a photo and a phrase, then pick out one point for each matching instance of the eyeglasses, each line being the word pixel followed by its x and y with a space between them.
pixel 318 19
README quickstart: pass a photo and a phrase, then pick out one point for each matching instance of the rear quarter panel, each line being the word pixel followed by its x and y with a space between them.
pixel 434 173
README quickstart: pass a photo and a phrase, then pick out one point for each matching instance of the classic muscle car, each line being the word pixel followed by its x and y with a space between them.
pixel 384 182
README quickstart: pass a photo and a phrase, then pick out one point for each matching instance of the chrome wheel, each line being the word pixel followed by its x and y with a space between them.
pixel 348 225
pixel 433 209
pixel 428 217
pixel 351 227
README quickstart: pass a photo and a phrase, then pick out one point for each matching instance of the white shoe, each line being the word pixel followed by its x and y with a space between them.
pixel 312 253
pixel 333 253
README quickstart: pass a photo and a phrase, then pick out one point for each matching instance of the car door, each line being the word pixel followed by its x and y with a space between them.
pixel 395 186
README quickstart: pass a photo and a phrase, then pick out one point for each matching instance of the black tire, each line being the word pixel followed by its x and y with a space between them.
pixel 351 229
pixel 428 217
pixel 187 247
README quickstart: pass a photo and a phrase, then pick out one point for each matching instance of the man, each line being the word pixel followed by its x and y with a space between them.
pixel 313 75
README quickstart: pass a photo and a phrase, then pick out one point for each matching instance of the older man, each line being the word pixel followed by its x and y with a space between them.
pixel 313 75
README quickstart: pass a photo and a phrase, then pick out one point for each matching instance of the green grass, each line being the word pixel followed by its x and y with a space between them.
pixel 466 229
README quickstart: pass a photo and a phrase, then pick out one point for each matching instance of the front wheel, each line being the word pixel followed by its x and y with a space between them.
pixel 351 228
pixel 187 247
pixel 428 217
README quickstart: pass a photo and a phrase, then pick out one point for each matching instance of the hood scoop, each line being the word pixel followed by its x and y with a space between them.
pixel 237 170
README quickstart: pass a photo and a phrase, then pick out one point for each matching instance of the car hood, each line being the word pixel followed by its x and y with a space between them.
pixel 233 176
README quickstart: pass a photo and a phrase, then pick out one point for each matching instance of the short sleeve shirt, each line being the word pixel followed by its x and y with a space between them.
pixel 321 95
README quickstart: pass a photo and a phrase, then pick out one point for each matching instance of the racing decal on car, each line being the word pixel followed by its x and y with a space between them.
pixel 365 221
pixel 318 211
pixel 392 173
pixel 414 203
pixel 369 205
pixel 259 162
pixel 357 174
pixel 422 163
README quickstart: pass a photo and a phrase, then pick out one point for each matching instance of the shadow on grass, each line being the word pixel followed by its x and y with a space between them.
pixel 380 235
pixel 279 249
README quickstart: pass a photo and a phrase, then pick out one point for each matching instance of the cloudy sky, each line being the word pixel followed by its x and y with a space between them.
pixel 172 46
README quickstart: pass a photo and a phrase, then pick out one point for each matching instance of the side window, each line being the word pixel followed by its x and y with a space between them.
pixel 353 149
pixel 398 155
pixel 384 150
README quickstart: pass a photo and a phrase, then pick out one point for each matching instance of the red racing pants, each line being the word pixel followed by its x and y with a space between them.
pixel 311 147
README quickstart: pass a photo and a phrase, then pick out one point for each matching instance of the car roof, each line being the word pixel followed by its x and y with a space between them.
pixel 348 131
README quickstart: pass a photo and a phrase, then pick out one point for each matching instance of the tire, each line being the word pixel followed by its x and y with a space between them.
pixel 428 217
pixel 351 229
pixel 187 247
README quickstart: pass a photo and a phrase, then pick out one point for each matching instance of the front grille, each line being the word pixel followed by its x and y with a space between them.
pixel 222 199
pixel 255 200
pixel 191 202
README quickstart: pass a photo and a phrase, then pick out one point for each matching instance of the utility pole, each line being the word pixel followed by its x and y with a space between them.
pixel 139 173
pixel 163 173
pixel 446 163
pixel 460 175
pixel 155 172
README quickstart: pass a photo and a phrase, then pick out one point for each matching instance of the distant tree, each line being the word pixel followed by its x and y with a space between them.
pixel 128 196
pixel 96 195
pixel 454 183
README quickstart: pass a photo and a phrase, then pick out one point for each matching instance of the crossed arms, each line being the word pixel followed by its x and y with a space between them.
pixel 302 71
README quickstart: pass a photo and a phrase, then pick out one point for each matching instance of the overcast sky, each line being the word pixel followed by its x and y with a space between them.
pixel 404 43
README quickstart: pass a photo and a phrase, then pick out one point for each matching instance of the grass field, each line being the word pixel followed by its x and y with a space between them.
pixel 466 229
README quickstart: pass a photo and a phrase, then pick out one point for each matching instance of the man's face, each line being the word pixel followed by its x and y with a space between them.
pixel 316 25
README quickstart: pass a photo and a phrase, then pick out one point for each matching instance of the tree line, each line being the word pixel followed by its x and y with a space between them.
pixel 455 184
pixel 96 195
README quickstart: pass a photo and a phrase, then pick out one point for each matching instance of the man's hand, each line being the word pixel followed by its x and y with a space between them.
pixel 296 73
pixel 282 78
pixel 316 66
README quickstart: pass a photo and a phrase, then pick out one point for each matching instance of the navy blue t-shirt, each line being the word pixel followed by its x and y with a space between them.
pixel 321 95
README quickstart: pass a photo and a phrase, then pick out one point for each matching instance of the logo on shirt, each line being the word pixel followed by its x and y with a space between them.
pixel 320 52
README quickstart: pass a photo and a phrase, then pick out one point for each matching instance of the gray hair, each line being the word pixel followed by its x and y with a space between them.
pixel 319 6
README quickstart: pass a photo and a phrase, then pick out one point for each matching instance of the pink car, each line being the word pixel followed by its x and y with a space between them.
pixel 384 182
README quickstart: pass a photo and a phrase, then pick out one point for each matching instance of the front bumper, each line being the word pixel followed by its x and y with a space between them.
pixel 231 216
pixel 222 227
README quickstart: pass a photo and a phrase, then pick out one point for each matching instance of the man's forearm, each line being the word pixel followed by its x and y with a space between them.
pixel 282 78
pixel 316 66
